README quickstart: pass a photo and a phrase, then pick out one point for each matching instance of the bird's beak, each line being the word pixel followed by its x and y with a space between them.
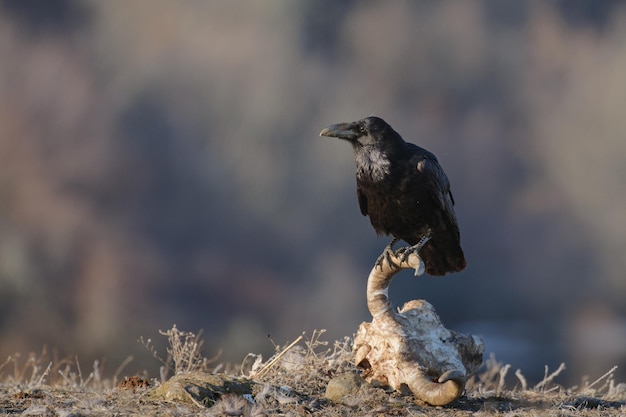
pixel 348 131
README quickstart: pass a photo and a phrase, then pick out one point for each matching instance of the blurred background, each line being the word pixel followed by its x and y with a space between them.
pixel 160 164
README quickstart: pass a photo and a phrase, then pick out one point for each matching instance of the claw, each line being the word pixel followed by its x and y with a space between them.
pixel 403 253
pixel 387 253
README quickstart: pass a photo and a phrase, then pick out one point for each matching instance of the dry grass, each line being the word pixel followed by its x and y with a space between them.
pixel 292 382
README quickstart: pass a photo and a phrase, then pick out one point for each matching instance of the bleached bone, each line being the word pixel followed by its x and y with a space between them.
pixel 411 348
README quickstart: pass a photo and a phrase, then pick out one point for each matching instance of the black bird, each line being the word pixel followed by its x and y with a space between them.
pixel 404 191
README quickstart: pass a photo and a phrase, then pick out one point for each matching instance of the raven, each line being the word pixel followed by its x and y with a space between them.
pixel 405 193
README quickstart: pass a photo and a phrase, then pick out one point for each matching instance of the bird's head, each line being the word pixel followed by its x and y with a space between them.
pixel 370 131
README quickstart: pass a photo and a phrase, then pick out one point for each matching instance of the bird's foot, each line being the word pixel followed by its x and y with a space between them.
pixel 404 253
pixel 388 252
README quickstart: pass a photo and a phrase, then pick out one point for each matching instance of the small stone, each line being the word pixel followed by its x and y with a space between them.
pixel 342 385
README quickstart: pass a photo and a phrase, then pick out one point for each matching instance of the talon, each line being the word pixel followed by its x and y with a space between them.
pixel 387 253
pixel 403 253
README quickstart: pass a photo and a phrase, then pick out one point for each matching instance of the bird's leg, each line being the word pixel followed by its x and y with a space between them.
pixel 403 253
pixel 387 253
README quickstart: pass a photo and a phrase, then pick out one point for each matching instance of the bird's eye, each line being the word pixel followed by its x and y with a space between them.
pixel 362 129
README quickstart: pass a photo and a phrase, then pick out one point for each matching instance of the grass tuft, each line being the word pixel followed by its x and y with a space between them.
pixel 184 353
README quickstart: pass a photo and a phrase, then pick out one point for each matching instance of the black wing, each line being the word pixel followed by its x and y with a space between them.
pixel 443 253
pixel 439 185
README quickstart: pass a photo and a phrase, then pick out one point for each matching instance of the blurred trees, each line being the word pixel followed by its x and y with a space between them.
pixel 160 164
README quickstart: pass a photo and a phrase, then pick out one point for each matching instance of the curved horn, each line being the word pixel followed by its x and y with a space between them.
pixel 380 277
pixel 449 387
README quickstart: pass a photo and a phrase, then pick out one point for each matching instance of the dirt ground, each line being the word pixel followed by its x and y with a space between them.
pixel 48 401
pixel 291 383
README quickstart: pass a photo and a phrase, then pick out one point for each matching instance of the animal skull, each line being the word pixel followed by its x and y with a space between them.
pixel 411 348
